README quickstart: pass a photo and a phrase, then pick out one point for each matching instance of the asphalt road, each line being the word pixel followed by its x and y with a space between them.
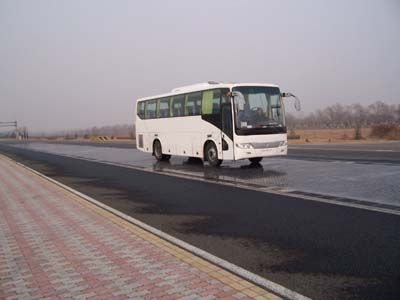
pixel 346 181
pixel 364 152
pixel 388 152
pixel 321 250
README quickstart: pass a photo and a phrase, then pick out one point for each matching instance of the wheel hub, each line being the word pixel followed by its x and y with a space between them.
pixel 212 154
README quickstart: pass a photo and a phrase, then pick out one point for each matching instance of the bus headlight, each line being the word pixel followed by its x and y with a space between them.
pixel 245 146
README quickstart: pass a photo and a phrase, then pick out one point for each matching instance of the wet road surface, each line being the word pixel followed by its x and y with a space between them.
pixel 374 152
pixel 321 250
pixel 388 152
pixel 337 180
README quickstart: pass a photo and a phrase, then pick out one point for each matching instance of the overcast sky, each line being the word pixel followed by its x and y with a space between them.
pixel 75 64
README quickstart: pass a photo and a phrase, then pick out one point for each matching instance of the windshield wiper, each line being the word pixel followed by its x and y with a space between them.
pixel 270 124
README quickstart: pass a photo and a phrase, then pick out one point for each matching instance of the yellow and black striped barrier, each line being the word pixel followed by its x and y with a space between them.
pixel 101 138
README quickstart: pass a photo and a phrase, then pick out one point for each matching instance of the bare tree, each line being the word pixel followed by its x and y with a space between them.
pixel 350 116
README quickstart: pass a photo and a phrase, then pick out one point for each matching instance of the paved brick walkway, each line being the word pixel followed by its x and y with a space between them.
pixel 56 245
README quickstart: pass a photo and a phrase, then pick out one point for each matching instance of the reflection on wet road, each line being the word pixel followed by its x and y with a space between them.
pixel 376 183
pixel 322 251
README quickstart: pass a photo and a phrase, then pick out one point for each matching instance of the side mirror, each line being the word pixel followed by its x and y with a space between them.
pixel 297 104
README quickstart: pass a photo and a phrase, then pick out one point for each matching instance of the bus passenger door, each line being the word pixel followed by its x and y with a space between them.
pixel 227 131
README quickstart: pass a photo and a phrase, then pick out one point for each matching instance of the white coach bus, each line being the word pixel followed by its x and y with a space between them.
pixel 214 121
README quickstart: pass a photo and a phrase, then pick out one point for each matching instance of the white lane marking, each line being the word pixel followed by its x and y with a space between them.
pixel 269 285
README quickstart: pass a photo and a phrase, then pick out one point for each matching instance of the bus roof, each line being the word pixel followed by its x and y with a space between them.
pixel 204 86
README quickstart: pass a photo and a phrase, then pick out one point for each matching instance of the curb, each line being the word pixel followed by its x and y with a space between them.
pixel 254 278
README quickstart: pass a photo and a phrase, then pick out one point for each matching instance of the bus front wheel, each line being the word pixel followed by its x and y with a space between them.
pixel 157 151
pixel 211 154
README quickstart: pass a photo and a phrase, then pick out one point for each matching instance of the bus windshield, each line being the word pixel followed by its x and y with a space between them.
pixel 258 107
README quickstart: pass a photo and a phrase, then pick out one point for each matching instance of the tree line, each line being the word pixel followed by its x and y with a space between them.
pixel 347 116
pixel 334 116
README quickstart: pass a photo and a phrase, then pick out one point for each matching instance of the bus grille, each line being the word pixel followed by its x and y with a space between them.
pixel 266 145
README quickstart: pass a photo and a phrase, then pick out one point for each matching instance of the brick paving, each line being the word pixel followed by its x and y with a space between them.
pixel 55 245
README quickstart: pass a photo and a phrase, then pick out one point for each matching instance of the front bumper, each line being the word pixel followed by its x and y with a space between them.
pixel 264 152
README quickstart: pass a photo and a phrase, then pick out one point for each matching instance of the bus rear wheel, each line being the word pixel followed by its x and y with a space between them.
pixel 157 150
pixel 211 154
pixel 255 160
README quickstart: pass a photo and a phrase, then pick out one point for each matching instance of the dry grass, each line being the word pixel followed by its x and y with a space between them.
pixel 317 136
pixel 389 132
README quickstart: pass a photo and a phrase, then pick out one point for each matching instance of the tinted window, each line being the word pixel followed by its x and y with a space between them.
pixel 178 106
pixel 211 102
pixel 140 109
pixel 225 96
pixel 193 104
pixel 151 109
pixel 164 108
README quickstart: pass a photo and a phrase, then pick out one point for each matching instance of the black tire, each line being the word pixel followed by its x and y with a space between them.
pixel 157 151
pixel 255 160
pixel 166 157
pixel 211 154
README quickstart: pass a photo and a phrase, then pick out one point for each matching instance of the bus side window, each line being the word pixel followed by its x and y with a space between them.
pixel 211 102
pixel 163 108
pixel 178 106
pixel 207 103
pixel 225 98
pixel 216 102
pixel 140 109
pixel 151 109
pixel 193 104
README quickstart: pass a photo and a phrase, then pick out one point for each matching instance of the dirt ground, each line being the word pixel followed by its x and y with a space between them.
pixel 322 136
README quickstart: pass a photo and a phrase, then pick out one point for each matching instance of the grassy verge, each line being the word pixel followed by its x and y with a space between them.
pixel 319 136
